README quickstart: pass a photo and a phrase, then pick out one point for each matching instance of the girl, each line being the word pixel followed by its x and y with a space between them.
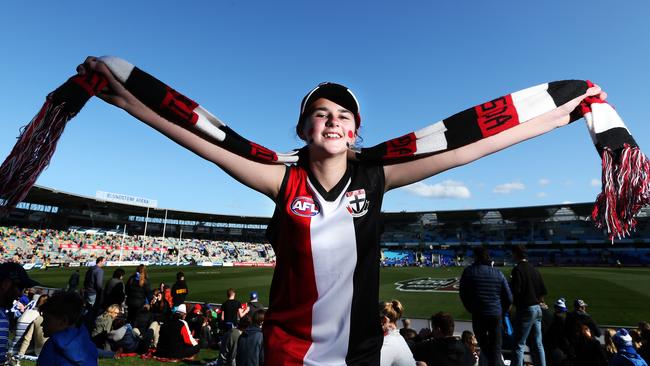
pixel 326 228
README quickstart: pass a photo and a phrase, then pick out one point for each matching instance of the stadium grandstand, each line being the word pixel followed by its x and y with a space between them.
pixel 59 229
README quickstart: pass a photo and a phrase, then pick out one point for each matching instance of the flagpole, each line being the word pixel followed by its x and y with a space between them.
pixel 145 235
pixel 178 251
pixel 122 245
pixel 163 236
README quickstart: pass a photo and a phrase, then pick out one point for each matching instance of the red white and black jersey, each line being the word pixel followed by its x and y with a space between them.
pixel 325 289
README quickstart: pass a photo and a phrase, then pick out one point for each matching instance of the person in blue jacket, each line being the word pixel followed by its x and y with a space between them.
pixel 626 354
pixel 68 343
pixel 485 294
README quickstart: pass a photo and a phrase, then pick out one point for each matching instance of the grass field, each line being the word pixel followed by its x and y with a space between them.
pixel 615 296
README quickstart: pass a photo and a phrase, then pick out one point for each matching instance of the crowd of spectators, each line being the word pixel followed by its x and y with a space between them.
pixel 58 247
pixel 122 318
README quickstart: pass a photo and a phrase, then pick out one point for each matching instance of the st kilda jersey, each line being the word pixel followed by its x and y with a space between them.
pixel 325 289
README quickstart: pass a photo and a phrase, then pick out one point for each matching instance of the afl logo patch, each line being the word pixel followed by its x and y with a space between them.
pixel 304 206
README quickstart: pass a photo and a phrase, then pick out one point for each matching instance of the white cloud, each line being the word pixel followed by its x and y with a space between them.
pixel 507 188
pixel 445 189
pixel 544 182
pixel 567 202
pixel 595 182
pixel 541 194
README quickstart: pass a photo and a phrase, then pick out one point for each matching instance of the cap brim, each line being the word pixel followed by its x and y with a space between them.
pixel 29 283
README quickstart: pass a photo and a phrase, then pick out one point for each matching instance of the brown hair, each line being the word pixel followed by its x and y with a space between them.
pixel 392 310
pixel 41 300
pixel 610 347
pixel 143 274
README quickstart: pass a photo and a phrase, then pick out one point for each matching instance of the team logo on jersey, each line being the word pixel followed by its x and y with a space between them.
pixel 428 284
pixel 357 203
pixel 305 206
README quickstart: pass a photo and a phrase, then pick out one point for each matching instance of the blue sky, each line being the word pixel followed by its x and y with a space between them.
pixel 411 63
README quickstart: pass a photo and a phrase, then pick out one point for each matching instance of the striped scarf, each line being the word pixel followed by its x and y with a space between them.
pixel 625 169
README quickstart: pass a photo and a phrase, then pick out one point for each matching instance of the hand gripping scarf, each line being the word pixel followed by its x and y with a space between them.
pixel 625 169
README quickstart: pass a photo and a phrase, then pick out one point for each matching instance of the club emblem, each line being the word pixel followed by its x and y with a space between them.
pixel 357 203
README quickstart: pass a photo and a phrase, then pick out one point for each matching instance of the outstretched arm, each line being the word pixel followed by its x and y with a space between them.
pixel 402 174
pixel 264 178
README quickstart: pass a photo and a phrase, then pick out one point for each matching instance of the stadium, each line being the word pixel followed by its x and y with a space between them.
pixel 52 233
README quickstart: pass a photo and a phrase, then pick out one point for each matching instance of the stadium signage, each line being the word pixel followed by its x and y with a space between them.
pixel 126 199
pixel 428 284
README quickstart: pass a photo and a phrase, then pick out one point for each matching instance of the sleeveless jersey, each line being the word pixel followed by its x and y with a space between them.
pixel 325 289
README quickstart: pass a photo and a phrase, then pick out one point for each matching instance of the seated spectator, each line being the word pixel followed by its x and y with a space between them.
pixel 610 347
pixel 250 351
pixel 121 338
pixel 34 339
pixel 195 320
pixel 175 340
pixel 410 336
pixel 158 306
pixel 103 325
pixel 147 327
pixel 626 354
pixel 26 319
pixel 644 350
pixel 556 343
pixel 67 343
pixel 394 350
pixel 206 339
pixel 637 340
pixel 587 350
pixel 579 317
pixel 443 349
pixel 228 346
pixel 470 342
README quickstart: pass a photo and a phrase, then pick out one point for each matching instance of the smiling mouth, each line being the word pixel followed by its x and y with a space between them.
pixel 332 135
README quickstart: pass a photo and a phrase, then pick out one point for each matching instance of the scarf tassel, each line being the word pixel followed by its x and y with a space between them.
pixel 625 190
pixel 32 153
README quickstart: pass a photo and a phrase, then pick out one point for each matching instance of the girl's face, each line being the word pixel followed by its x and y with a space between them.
pixel 330 127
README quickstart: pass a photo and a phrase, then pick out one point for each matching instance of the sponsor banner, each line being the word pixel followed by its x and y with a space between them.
pixel 28 266
pixel 125 263
pixel 205 264
pixel 126 199
pixel 69 246
pixel 227 264
pixel 252 264
pixel 108 247
pixel 75 264
pixel 428 284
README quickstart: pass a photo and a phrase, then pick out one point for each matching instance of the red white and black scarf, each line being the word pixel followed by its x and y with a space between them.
pixel 625 179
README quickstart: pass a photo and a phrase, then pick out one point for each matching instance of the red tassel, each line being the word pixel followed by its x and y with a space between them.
pixel 626 189
pixel 32 153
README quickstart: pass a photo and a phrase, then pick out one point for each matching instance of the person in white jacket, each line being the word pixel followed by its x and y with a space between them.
pixel 394 351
